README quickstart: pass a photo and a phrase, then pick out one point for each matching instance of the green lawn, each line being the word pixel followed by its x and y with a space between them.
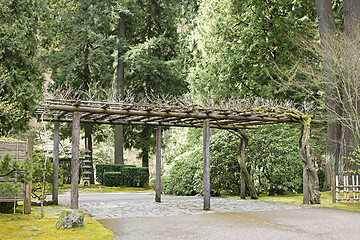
pixel 20 226
pixel 30 226
pixel 325 201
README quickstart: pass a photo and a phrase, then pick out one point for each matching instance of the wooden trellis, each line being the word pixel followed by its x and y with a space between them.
pixel 162 115
pixel 234 115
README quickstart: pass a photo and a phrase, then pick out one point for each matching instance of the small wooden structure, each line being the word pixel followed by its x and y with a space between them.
pixel 18 151
pixel 230 114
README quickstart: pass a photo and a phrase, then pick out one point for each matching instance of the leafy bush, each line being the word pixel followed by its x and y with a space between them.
pixel 180 176
pixel 65 169
pixel 113 179
pixel 101 168
pixel 127 176
pixel 185 176
pixel 273 159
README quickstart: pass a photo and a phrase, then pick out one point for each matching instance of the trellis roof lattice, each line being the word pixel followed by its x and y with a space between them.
pixel 162 114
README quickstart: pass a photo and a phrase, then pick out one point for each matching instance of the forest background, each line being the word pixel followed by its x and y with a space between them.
pixel 219 49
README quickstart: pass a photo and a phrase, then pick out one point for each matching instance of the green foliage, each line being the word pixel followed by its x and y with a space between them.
pixel 38 163
pixel 185 174
pixel 13 169
pixel 152 66
pixel 238 45
pixel 180 176
pixel 83 56
pixel 274 158
pixel 354 159
pixel 20 81
pixel 6 207
pixel 127 176
pixel 102 168
pixel 65 170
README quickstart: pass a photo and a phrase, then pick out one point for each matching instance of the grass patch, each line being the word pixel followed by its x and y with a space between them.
pixel 326 201
pixel 30 226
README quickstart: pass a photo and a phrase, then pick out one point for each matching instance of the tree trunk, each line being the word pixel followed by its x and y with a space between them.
pixel 145 158
pixel 313 180
pixel 349 142
pixel 327 33
pixel 246 180
pixel 119 138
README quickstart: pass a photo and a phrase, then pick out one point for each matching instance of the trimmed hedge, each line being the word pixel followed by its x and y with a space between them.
pixel 127 176
pixel 101 168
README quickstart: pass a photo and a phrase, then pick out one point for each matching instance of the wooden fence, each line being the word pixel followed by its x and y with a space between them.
pixel 18 152
pixel 348 190
pixel 10 198
pixel 16 149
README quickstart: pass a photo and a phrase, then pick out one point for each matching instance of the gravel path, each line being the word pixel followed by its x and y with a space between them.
pixel 127 205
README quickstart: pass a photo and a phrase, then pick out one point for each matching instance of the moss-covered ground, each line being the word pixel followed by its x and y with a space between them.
pixel 31 226
pixel 326 201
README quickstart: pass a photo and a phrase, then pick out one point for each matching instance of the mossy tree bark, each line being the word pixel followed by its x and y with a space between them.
pixel 246 180
pixel 313 179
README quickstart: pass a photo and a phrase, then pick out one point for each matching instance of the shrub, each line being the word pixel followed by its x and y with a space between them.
pixel 185 176
pixel 6 207
pixel 113 179
pixel 127 176
pixel 140 177
pixel 101 168
pixel 180 177
pixel 65 169
pixel 273 160
pixel 274 157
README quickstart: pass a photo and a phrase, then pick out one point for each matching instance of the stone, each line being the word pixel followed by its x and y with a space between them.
pixel 70 218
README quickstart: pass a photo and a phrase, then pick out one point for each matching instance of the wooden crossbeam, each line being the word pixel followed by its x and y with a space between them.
pixel 86 115
pixel 117 117
pixel 61 114
pixel 136 118
pixel 156 123
pixel 100 117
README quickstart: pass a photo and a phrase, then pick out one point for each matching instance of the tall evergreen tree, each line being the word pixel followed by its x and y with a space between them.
pixel 339 52
pixel 238 44
pixel 20 81
pixel 87 40
pixel 151 66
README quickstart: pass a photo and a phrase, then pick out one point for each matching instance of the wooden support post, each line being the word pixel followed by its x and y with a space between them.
pixel 306 199
pixel 119 141
pixel 27 197
pixel 55 189
pixel 158 165
pixel 88 146
pixel 206 164
pixel 74 203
